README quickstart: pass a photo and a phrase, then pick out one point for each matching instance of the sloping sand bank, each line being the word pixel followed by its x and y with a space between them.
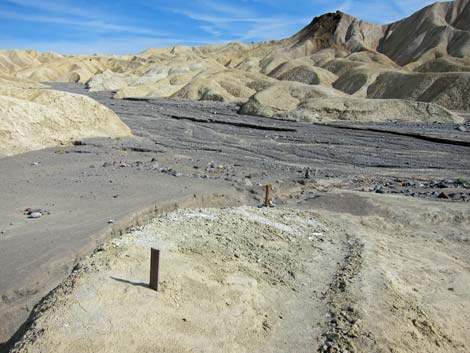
pixel 34 118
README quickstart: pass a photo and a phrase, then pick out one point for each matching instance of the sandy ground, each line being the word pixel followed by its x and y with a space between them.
pixel 85 203
pixel 384 275
pixel 195 154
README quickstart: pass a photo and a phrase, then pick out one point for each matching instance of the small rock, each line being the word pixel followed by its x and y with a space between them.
pixel 266 325
pixel 443 196
pixel 461 128
pixel 308 173
pixel 35 215
pixel 111 221
pixel 248 182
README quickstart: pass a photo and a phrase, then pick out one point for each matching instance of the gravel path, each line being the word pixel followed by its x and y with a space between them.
pixel 211 130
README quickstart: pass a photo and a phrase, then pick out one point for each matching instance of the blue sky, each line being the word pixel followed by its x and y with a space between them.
pixel 130 26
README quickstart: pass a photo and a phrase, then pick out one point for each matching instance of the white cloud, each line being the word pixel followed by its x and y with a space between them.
pixel 63 13
pixel 91 24
pixel 241 23
pixel 62 7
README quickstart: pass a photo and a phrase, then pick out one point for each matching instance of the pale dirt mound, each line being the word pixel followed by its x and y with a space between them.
pixel 324 56
pixel 357 80
pixel 38 118
pixel 450 90
pixel 236 280
pixel 446 64
pixel 14 60
pixel 157 80
pixel 317 103
pixel 225 86
pixel 284 97
pixel 357 109
pixel 162 89
pixel 7 80
pixel 392 278
pixel 304 72
pixel 79 68
pixel 366 56
pixel 110 81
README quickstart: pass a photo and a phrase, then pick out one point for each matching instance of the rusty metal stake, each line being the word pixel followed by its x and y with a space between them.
pixel 267 201
pixel 154 268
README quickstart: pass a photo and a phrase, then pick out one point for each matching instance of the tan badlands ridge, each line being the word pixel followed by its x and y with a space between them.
pixel 337 68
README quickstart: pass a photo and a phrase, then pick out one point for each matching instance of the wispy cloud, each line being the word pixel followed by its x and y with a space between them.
pixel 91 24
pixel 62 12
pixel 59 7
pixel 379 11
pixel 241 23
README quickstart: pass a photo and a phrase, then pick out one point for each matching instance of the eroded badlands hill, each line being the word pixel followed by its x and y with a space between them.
pixel 337 68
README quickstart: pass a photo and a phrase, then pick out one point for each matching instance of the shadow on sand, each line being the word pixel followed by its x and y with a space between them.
pixel 138 284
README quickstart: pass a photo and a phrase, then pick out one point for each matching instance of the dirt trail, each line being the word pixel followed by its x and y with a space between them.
pixel 395 279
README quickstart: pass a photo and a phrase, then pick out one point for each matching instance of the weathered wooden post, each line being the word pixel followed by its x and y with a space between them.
pixel 154 268
pixel 267 201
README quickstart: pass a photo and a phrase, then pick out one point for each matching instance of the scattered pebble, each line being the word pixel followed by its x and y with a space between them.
pixel 35 213
pixel 443 195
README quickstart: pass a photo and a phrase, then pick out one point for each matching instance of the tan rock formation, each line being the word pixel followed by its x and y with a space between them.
pixel 38 118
